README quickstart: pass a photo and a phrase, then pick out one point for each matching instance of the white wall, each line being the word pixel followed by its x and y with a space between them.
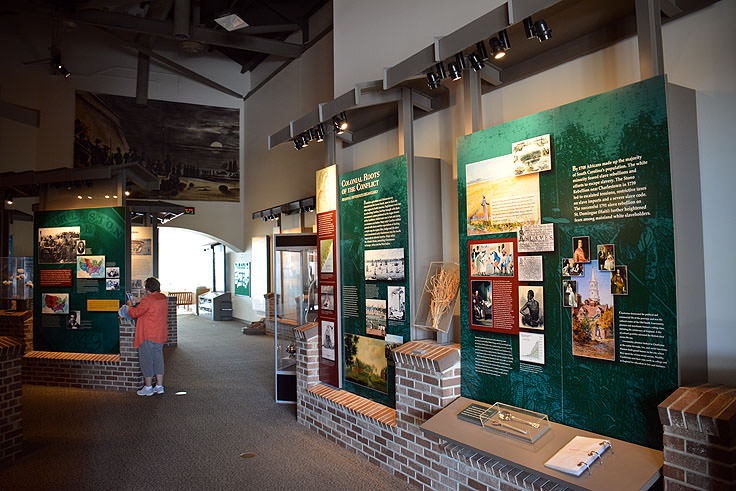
pixel 697 53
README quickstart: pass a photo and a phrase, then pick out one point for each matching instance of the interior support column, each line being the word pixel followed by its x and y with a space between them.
pixel 649 35
pixel 141 86
pixel 154 233
pixel 472 101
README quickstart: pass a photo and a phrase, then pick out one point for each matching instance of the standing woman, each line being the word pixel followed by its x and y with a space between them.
pixel 150 335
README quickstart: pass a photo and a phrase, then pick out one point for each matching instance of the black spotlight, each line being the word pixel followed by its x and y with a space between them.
pixel 319 132
pixel 59 67
pixel 433 80
pixel 482 51
pixel 503 36
pixel 309 134
pixel 440 70
pixel 475 62
pixel 542 29
pixel 460 60
pixel 455 71
pixel 298 142
pixel 305 140
pixel 341 122
pixel 529 28
pixel 497 50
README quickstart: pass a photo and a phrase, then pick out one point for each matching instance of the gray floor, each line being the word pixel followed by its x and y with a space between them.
pixel 82 439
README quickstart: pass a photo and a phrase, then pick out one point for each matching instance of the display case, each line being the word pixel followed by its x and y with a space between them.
pixel 295 303
pixel 16 289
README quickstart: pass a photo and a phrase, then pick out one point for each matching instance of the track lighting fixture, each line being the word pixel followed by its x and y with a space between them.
pixel 341 122
pixel 503 36
pixel 127 193
pixel 433 80
pixel 455 71
pixel 529 28
pixel 8 199
pixel 298 143
pixel 440 70
pixel 59 66
pixel 542 29
pixel 497 50
pixel 319 132
pixel 481 50
pixel 475 62
pixel 460 60
pixel 305 139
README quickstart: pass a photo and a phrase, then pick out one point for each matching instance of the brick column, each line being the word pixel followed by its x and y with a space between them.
pixel 11 402
pixel 171 322
pixel 699 438
pixel 307 364
pixel 18 325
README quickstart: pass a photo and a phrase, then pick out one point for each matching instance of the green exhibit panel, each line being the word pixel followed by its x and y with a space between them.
pixel 79 260
pixel 374 248
pixel 581 323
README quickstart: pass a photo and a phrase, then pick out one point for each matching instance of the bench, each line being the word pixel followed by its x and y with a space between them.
pixel 183 299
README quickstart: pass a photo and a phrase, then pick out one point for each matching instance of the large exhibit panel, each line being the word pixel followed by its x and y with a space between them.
pixel 79 269
pixel 581 195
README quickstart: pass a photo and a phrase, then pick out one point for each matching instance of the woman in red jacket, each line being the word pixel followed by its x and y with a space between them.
pixel 150 335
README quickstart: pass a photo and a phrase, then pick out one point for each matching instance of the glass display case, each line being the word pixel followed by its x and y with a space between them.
pixel 16 290
pixel 295 303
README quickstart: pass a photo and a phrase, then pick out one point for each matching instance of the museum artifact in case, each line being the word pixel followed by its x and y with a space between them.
pixel 17 282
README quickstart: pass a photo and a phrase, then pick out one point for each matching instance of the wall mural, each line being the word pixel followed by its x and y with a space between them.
pixel 192 149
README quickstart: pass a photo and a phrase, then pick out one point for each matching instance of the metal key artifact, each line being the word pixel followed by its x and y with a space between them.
pixel 507 416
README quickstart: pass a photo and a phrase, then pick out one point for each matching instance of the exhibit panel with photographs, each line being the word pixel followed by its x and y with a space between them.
pixel 191 149
pixel 493 264
pixel 79 258
pixel 374 252
pixel 600 315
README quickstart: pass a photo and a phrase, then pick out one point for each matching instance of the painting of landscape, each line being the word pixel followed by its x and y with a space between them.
pixel 365 362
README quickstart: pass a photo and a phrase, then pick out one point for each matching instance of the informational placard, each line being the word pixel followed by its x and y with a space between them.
pixel 329 328
pixel 583 192
pixel 77 273
pixel 374 251
pixel 241 277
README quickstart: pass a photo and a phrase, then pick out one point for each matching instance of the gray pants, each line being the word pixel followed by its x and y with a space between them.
pixel 151 357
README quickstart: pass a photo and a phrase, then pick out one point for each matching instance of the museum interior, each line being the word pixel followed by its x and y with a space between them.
pixel 434 245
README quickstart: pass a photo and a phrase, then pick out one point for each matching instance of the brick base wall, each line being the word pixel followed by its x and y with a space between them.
pixel 427 379
pixel 11 398
pixel 699 438
pixel 18 324
pixel 173 337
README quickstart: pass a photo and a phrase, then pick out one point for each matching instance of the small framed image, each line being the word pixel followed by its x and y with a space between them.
pixel 74 320
pixel 55 303
pixel 491 258
pixel 571 268
pixel 112 271
pixel 531 347
pixel 112 283
pixel 569 293
pixel 581 248
pixel 81 247
pixel 396 303
pixel 327 298
pixel 91 267
pixel 481 303
pixel 328 340
pixel 531 311
pixel 530 268
pixel 606 257
pixel 375 317
pixel 620 280
pixel 531 155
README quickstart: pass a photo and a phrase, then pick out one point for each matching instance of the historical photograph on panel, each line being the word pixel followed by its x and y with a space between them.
pixel 531 347
pixel 392 341
pixel 191 149
pixel 57 245
pixel 327 297
pixel 365 362
pixel 620 281
pixel 569 293
pixel 592 320
pixel 141 247
pixel 328 340
pixel 375 317
pixel 74 321
pixel 536 238
pixel 531 303
pixel 81 247
pixel 532 155
pixel 326 256
pixel 55 303
pixel 571 268
pixel 581 249
pixel 90 266
pixel 491 258
pixel 112 284
pixel 481 303
pixel 384 264
pixel 606 257
pixel 396 303
pixel 497 200
pixel 112 271
pixel 530 268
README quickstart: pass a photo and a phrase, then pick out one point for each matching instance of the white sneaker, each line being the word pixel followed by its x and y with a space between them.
pixel 159 389
pixel 147 390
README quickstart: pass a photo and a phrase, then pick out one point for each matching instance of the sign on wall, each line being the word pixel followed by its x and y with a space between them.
pixel 241 278
pixel 581 195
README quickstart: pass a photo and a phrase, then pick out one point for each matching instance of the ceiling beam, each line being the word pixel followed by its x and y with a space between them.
pixel 20 114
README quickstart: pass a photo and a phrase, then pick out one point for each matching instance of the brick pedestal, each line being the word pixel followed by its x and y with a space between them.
pixel 11 397
pixel 699 438
pixel 427 380
pixel 173 336
pixel 18 324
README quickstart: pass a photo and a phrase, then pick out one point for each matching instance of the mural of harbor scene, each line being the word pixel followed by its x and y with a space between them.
pixel 192 149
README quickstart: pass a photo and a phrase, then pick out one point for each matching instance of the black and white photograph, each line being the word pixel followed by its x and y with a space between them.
pixel 112 284
pixel 531 347
pixel 571 268
pixel 375 317
pixel 536 238
pixel 328 340
pixel 58 245
pixel 81 247
pixel 74 320
pixel 384 264
pixel 140 247
pixel 392 341
pixel 327 297
pixel 191 149
pixel 112 271
pixel 531 307
pixel 396 303
pixel 530 268
pixel 532 155
pixel 481 302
